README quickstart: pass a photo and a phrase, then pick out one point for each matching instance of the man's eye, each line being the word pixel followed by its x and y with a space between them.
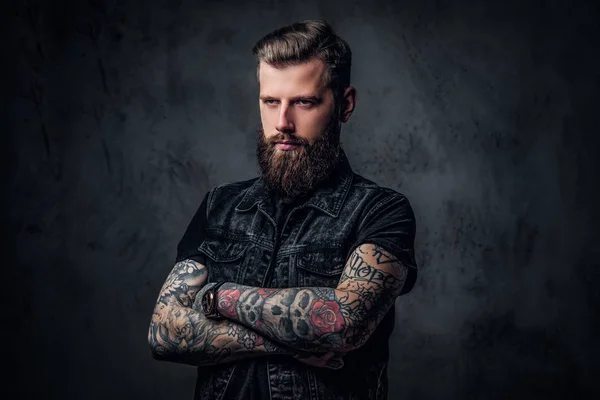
pixel 305 103
pixel 270 102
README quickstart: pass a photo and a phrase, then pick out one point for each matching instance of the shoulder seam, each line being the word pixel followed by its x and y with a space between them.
pixel 213 192
pixel 381 203
pixel 211 196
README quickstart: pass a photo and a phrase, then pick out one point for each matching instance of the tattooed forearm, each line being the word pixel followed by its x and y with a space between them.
pixel 190 338
pixel 182 334
pixel 318 319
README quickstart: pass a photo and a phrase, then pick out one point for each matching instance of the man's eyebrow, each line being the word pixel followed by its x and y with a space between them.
pixel 315 99
pixel 312 98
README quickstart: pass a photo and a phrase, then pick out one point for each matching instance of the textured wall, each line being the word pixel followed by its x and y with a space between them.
pixel 120 116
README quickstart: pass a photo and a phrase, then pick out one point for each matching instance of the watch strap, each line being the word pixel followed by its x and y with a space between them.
pixel 214 313
pixel 217 286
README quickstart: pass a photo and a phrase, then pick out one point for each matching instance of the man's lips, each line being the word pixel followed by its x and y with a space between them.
pixel 286 145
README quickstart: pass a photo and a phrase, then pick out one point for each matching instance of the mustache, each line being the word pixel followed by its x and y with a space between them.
pixel 284 137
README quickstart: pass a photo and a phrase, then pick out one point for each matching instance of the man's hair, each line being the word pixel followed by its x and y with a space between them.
pixel 303 41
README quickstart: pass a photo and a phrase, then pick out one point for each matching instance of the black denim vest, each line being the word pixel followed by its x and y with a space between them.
pixel 243 245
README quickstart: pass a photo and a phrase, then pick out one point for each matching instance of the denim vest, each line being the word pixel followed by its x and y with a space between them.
pixel 243 245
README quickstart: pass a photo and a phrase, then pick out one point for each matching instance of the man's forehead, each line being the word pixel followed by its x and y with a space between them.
pixel 309 75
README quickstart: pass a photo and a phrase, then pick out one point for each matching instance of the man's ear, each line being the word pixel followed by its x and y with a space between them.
pixel 348 103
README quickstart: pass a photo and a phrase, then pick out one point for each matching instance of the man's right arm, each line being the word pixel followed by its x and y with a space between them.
pixel 182 334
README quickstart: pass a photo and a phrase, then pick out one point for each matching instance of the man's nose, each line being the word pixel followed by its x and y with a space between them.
pixel 284 122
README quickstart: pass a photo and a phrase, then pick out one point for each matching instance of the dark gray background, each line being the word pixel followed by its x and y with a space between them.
pixel 120 115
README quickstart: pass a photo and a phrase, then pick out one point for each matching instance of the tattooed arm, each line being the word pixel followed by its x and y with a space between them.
pixel 311 318
pixel 182 334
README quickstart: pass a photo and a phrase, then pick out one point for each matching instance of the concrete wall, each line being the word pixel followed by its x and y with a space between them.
pixel 120 115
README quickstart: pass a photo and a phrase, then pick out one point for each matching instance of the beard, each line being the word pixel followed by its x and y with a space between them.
pixel 297 172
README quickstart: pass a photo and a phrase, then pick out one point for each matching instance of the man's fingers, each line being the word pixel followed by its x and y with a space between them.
pixel 334 360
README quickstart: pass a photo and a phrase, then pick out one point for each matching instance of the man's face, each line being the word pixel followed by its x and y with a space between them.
pixel 295 101
pixel 298 143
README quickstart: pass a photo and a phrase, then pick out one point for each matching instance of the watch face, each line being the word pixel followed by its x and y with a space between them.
pixel 207 302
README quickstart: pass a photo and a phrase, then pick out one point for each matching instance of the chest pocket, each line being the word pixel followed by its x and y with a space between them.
pixel 320 267
pixel 226 259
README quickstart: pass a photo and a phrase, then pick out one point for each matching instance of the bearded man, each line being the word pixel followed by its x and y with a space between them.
pixel 284 285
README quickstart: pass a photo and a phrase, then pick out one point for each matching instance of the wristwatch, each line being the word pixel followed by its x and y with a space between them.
pixel 209 302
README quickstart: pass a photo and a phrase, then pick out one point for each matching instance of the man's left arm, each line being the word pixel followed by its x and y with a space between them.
pixel 321 318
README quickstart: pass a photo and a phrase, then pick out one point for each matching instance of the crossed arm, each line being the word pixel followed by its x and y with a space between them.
pixel 180 333
pixel 321 318
pixel 292 321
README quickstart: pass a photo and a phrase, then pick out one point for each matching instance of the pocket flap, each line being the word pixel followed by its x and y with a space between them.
pixel 223 251
pixel 327 262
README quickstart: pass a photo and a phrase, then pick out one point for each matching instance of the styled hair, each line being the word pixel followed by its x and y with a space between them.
pixel 303 41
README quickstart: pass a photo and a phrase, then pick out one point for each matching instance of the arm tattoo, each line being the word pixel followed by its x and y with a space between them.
pixel 320 318
pixel 181 334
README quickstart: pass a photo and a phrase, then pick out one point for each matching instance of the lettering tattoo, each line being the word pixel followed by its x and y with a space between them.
pixel 321 318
